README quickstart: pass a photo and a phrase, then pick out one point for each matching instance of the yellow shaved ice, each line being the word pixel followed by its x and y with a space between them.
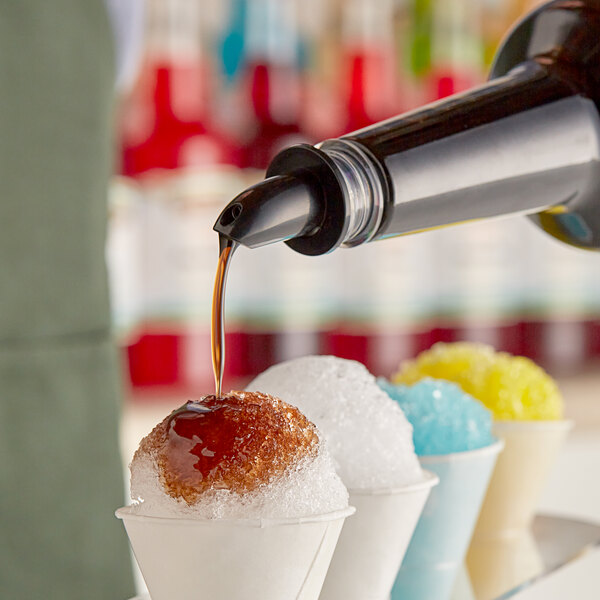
pixel 512 387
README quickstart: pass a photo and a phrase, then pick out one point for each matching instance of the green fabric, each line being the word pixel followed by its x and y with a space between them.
pixel 56 77
pixel 60 474
pixel 60 471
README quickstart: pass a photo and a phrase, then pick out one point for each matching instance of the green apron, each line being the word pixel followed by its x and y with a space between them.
pixel 60 470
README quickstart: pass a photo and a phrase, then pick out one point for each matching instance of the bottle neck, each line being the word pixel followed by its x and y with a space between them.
pixel 518 145
pixel 525 87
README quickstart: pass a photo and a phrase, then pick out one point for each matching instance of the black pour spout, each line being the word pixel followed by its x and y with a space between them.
pixel 303 201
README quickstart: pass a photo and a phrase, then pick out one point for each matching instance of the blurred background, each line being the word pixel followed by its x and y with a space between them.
pixel 223 86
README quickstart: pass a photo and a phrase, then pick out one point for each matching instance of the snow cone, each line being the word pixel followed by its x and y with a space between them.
pixel 235 498
pixel 528 416
pixel 371 443
pixel 453 438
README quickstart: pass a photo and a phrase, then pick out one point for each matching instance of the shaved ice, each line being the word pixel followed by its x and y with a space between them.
pixel 367 433
pixel 445 419
pixel 512 387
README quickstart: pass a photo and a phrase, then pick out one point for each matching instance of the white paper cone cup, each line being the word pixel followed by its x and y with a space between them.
pixel 373 542
pixel 530 449
pixel 438 547
pixel 497 566
pixel 202 559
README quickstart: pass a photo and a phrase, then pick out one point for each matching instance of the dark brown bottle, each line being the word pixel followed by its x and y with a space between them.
pixel 527 142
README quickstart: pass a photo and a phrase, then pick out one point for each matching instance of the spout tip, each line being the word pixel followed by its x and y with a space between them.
pixel 228 217
pixel 277 209
pixel 228 224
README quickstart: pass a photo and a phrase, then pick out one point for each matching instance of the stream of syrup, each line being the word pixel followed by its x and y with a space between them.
pixel 217 335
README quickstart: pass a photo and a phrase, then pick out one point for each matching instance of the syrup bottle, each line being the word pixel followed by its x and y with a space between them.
pixel 525 143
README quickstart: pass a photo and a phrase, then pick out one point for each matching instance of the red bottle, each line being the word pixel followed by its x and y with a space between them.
pixel 273 81
pixel 167 139
pixel 457 48
pixel 368 74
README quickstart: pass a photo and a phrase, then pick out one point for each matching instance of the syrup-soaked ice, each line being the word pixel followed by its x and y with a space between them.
pixel 445 419
pixel 243 455
pixel 367 433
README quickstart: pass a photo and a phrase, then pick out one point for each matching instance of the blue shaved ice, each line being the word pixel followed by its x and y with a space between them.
pixel 445 419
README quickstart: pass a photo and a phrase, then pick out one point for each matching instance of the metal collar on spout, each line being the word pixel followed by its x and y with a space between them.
pixel 353 193
pixel 363 189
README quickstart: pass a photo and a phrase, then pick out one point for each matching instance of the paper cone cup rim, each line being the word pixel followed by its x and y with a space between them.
pixel 127 512
pixel 493 448
pixel 428 481
pixel 550 424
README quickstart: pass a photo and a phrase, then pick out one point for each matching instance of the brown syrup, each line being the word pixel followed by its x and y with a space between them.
pixel 217 337
pixel 235 442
